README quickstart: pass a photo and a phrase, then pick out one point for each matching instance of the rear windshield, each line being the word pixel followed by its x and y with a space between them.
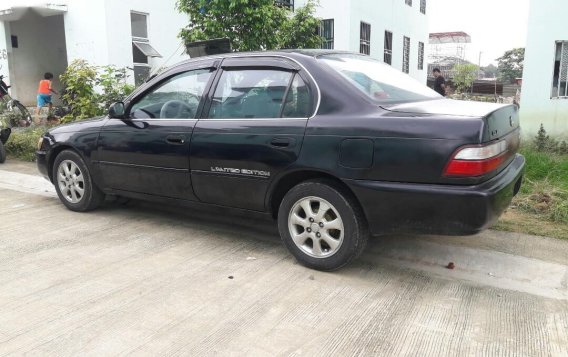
pixel 379 81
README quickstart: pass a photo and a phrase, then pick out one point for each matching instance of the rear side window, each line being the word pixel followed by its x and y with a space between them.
pixel 298 101
pixel 259 93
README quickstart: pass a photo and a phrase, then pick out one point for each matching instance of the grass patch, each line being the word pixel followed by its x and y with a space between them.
pixel 22 144
pixel 541 207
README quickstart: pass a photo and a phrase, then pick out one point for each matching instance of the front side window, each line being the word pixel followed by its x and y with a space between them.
pixel 378 81
pixel 365 43
pixel 408 2
pixel 423 6
pixel 406 55
pixel 176 98
pixel 326 32
pixel 253 93
pixel 560 74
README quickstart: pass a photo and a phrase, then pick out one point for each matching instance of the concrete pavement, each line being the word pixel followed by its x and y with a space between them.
pixel 138 279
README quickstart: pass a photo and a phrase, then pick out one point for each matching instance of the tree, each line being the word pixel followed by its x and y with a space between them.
pixel 464 76
pixel 250 25
pixel 490 71
pixel 511 65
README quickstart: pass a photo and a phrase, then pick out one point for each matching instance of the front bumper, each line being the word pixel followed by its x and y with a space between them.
pixel 438 209
pixel 41 160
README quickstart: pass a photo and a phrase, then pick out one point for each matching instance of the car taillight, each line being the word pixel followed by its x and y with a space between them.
pixel 478 160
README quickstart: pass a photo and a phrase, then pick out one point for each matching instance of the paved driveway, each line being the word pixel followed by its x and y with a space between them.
pixel 140 279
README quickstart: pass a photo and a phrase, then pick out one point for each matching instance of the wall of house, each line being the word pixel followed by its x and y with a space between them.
pixel 41 48
pixel 547 24
pixel 164 25
pixel 391 15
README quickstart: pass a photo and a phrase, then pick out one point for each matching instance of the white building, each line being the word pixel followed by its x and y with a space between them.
pixel 38 37
pixel 395 31
pixel 545 77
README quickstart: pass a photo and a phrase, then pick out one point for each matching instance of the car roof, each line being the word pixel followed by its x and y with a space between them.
pixel 295 54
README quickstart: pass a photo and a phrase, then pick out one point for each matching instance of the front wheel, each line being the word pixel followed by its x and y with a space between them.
pixel 74 184
pixel 322 225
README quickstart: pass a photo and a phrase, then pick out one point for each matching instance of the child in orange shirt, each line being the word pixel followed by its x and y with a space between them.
pixel 44 93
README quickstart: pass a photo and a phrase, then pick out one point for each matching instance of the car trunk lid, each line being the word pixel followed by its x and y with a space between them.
pixel 499 120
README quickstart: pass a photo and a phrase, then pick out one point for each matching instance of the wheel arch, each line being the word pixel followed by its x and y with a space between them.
pixel 291 179
pixel 55 151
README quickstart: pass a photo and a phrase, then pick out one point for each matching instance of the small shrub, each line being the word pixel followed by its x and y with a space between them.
pixel 544 143
pixel 80 82
pixel 23 143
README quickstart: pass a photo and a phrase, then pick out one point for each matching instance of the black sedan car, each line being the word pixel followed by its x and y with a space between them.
pixel 335 146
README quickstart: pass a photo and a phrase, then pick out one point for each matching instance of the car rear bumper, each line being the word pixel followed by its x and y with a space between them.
pixel 438 209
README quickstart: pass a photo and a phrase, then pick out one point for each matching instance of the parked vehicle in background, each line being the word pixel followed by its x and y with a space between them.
pixel 333 145
pixel 17 112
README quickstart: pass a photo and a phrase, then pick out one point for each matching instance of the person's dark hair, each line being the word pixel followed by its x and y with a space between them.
pixel 48 75
pixel 436 70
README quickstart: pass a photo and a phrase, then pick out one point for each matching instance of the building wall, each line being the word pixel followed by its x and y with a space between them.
pixel 164 25
pixel 391 15
pixel 41 48
pixel 547 24
pixel 97 31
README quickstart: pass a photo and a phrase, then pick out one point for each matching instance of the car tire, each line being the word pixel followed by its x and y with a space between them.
pixel 2 153
pixel 74 184
pixel 334 231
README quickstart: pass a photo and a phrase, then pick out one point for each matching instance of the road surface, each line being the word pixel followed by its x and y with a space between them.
pixel 139 279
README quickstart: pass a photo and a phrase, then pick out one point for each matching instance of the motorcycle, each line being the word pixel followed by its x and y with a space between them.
pixel 20 117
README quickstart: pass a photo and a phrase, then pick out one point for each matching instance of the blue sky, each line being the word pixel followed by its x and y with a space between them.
pixel 495 26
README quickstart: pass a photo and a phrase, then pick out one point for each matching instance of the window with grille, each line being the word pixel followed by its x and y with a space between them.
pixel 408 2
pixel 365 44
pixel 406 55
pixel 388 47
pixel 326 32
pixel 289 4
pixel 560 75
pixel 423 6
pixel 420 55
pixel 142 50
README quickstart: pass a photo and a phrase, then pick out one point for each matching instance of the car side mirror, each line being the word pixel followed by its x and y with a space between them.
pixel 116 110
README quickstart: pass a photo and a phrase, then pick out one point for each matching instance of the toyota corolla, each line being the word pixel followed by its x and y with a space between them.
pixel 334 146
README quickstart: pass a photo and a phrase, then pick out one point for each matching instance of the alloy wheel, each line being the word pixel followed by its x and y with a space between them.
pixel 316 227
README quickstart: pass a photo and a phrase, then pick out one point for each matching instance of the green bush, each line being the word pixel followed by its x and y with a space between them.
pixel 80 81
pixel 22 144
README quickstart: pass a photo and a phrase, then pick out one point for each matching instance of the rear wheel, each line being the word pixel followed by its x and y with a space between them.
pixel 322 225
pixel 2 153
pixel 74 184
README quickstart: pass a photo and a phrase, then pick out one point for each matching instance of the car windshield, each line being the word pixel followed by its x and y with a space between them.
pixel 379 81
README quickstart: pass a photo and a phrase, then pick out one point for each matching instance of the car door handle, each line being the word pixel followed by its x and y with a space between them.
pixel 175 139
pixel 282 142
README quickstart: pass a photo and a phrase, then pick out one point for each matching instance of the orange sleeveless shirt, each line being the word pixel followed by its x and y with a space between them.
pixel 44 87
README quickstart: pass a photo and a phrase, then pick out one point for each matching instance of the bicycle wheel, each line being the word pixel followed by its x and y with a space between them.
pixel 23 113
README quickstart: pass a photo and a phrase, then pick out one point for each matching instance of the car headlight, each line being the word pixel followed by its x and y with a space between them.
pixel 40 143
